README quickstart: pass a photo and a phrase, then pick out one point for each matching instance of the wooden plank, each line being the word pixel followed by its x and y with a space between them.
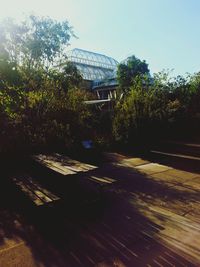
pixel 54 166
pixel 34 191
pixel 72 164
pixel 62 164
pixel 37 192
pixel 133 162
pixel 45 191
pixel 175 230
pixel 102 180
pixel 178 155
pixel 28 192
pixel 152 168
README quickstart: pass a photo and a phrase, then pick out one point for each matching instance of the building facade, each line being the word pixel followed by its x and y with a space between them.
pixel 98 72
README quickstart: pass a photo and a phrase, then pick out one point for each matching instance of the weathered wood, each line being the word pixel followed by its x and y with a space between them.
pixel 28 192
pixel 34 190
pixel 103 181
pixel 62 164
pixel 53 165
pixel 44 190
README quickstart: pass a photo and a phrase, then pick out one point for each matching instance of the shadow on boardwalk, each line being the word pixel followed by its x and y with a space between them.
pixel 73 232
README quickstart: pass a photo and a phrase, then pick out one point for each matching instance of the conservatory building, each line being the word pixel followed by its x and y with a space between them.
pixel 98 71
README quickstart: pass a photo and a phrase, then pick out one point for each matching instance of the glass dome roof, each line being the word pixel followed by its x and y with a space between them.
pixel 93 66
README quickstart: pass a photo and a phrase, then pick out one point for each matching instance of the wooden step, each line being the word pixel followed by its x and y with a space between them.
pixel 181 148
pixel 176 160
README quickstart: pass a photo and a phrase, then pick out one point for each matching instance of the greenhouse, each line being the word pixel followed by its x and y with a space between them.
pixel 92 66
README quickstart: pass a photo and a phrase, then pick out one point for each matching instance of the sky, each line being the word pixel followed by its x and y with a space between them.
pixel 165 33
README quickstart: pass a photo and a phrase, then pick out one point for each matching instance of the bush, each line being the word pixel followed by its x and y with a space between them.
pixel 159 109
pixel 44 119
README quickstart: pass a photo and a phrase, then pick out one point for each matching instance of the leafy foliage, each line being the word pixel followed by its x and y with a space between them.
pixel 42 106
pixel 35 42
pixel 164 107
pixel 66 78
pixel 130 69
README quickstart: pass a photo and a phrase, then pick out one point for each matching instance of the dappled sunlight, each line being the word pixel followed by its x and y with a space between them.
pixel 63 164
pixel 125 225
pixel 176 230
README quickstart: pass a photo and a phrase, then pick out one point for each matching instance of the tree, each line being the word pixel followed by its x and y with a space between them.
pixel 65 78
pixel 30 49
pixel 35 42
pixel 71 75
pixel 128 70
pixel 47 39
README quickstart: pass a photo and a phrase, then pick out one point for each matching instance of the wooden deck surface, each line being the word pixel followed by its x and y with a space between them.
pixel 149 217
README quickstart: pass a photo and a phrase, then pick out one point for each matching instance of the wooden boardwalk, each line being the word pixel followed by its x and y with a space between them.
pixel 149 216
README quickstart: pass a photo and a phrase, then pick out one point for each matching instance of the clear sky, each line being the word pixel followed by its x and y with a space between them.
pixel 166 33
